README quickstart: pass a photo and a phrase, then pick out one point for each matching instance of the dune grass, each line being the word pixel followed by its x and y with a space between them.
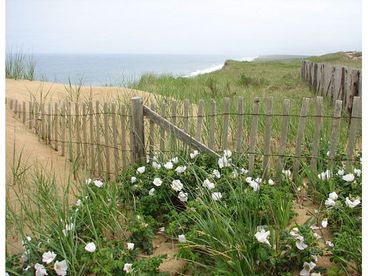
pixel 19 65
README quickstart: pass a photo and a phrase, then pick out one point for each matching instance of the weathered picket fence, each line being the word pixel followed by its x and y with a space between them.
pixel 334 82
pixel 105 138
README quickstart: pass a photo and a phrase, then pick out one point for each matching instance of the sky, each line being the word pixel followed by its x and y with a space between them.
pixel 226 27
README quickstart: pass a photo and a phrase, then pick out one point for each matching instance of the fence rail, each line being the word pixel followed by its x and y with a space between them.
pixel 105 138
pixel 334 82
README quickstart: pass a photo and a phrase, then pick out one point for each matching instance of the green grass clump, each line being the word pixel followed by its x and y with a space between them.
pixel 20 66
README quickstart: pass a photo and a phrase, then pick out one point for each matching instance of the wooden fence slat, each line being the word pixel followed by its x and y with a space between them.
pixel 211 135
pixel 151 140
pixel 317 133
pixel 42 121
pixel 138 129
pixel 123 136
pixel 200 120
pixel 226 123
pixel 84 138
pixel 98 139
pixel 11 104
pixel 300 136
pixel 70 131
pixel 63 126
pixel 354 124
pixel 77 130
pixel 283 135
pixel 15 108
pixel 92 156
pixel 114 138
pixel 253 134
pixel 162 129
pixel 30 114
pixel 186 115
pixel 56 124
pixel 335 132
pixel 267 138
pixel 24 112
pixel 174 105
pixel 239 130
pixel 49 127
pixel 107 141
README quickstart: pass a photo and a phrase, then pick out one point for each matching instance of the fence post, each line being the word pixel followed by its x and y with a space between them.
pixel 354 126
pixel 138 129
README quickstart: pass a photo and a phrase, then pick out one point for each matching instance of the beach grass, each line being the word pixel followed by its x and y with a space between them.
pixel 19 65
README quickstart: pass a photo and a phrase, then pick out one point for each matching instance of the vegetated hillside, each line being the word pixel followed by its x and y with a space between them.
pixel 351 59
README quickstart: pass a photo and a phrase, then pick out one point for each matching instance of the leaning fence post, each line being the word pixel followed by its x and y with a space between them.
pixel 138 129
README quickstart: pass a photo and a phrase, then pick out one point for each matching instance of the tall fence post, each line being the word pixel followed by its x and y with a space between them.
pixel 138 129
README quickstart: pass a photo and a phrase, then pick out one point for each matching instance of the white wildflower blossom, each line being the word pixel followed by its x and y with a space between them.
pixel 340 172
pixel 255 185
pixel 78 202
pixel 48 257
pixel 141 170
pixel 358 172
pixel 262 236
pixel 130 245
pixel 224 162
pixel 216 196
pixel 352 204
pixel 287 173
pixel 194 154
pixel 248 179
pixel 151 192
pixel 157 182
pixel 294 232
pixel 307 268
pixel 61 267
pixel 128 267
pixel 324 223
pixel 300 243
pixel 182 238
pixel 133 179
pixel 330 244
pixel 333 196
pixel 183 197
pixel 88 181
pixel 348 177
pixel 234 174
pixel 216 174
pixel 180 169
pixel 208 184
pixel 271 182
pixel 98 183
pixel 175 160
pixel 316 236
pixel 40 270
pixel 169 165
pixel 243 171
pixel 227 153
pixel 176 185
pixel 330 203
pixel 156 165
pixel 161 230
pixel 90 247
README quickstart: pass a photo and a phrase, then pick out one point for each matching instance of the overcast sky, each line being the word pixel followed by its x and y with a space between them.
pixel 229 27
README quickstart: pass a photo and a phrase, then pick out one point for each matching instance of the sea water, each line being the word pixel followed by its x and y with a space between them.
pixel 122 69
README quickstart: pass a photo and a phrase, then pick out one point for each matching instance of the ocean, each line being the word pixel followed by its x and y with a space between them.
pixel 122 69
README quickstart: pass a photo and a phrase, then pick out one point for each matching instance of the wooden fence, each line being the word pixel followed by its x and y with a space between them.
pixel 334 82
pixel 105 138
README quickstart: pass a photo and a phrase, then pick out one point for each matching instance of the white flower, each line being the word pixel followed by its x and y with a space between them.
pixel 147 158
pixel 294 232
pixel 324 223
pixel 152 192
pixel 208 184
pixel 316 236
pixel 98 183
pixel 330 244
pixel 227 153
pixel 133 179
pixel 243 171
pixel 180 169
pixel 262 236
pixel 156 165
pixel 78 203
pixel 157 182
pixel 307 267
pixel 216 196
pixel 48 257
pixel 128 267
pixel 175 160
pixel 194 154
pixel 352 204
pixel 333 196
pixel 300 243
pixel 182 238
pixel 358 172
pixel 322 176
pixel 248 179
pixel 328 153
pixel 224 162
pixel 141 169
pixel 161 230
pixel 287 173
pixel 348 177
pixel 176 185
pixel 130 245
pixel 341 172
pixel 24 269
pixel 88 181
pixel 169 165
pixel 216 173
pixel 254 185
pixel 259 180
pixel 315 274
pixel 271 182
pixel 183 197
pixel 90 247
pixel 330 203
pixel 61 268
pixel 40 270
